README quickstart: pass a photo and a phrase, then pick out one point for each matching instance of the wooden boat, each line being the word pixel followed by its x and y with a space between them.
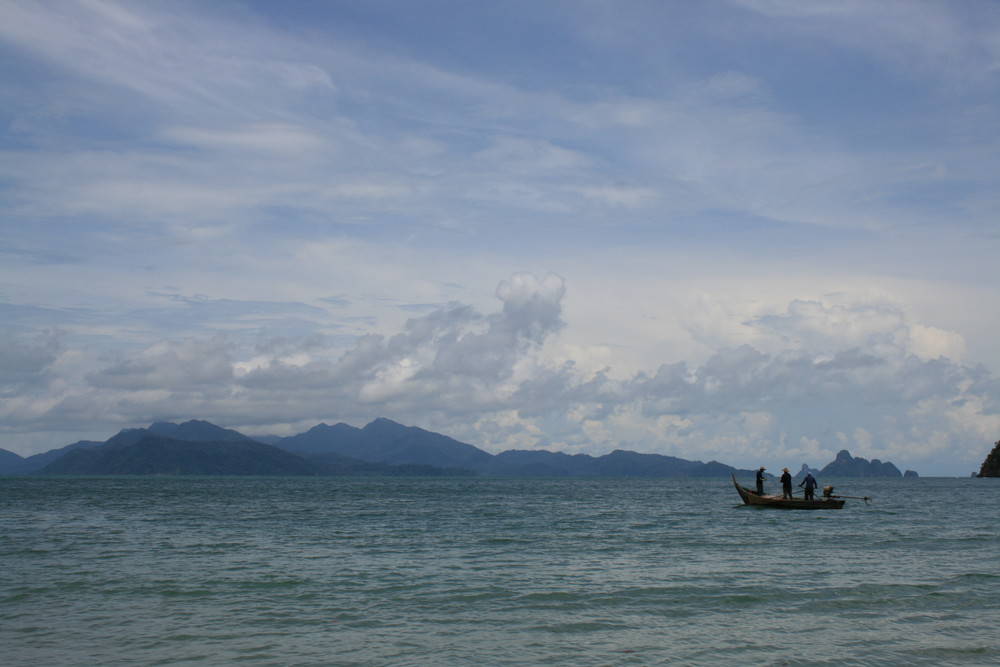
pixel 750 497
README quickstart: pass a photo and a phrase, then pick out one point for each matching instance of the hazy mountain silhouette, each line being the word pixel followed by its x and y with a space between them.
pixel 385 441
pixel 383 447
pixel 320 439
pixel 142 452
pixel 9 459
pixel 202 448
pixel 846 465
pixel 199 431
pixel 31 464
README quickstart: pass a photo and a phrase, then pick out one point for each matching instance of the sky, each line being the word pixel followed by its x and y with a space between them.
pixel 750 231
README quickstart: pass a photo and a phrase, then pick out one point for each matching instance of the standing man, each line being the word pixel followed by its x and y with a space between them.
pixel 810 485
pixel 760 481
pixel 786 484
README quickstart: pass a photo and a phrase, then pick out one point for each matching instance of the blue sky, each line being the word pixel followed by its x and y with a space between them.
pixel 753 231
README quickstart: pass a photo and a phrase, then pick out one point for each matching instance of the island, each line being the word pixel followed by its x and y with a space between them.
pixel 991 466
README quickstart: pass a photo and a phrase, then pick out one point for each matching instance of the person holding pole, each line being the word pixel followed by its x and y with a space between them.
pixel 809 483
pixel 786 484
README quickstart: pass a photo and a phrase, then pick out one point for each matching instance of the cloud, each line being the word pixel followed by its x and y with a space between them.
pixel 245 125
pixel 531 306
pixel 27 365
pixel 732 192
pixel 162 55
pixel 842 376
pixel 816 326
pixel 916 38
pixel 170 365
pixel 269 139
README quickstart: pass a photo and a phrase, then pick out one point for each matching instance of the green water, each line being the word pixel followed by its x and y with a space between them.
pixel 292 571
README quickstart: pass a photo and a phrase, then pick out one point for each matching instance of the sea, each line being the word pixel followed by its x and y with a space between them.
pixel 473 571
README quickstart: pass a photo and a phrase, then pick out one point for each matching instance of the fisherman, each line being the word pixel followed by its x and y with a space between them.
pixel 786 484
pixel 810 484
pixel 760 481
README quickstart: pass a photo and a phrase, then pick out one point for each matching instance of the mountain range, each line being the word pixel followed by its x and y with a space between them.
pixel 383 447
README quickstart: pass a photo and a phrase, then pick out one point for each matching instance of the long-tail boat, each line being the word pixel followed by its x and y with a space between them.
pixel 827 501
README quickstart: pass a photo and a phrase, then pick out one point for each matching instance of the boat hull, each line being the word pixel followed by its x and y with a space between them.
pixel 751 498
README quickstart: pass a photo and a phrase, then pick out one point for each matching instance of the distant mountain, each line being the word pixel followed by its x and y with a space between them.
pixel 383 447
pixel 142 452
pixel 385 441
pixel 197 430
pixel 395 443
pixel 807 470
pixel 846 465
pixel 538 463
pixel 202 448
pixel 321 438
pixel 620 463
pixel 9 460
pixel 35 462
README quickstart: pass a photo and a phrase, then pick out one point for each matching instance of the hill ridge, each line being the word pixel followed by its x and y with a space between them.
pixel 382 446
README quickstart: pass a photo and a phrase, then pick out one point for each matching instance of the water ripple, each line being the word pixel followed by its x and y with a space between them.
pixel 502 572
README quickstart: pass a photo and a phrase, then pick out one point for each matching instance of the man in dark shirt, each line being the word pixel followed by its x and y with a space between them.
pixel 760 481
pixel 786 484
pixel 809 483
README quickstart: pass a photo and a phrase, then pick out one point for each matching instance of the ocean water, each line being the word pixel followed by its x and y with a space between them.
pixel 356 571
